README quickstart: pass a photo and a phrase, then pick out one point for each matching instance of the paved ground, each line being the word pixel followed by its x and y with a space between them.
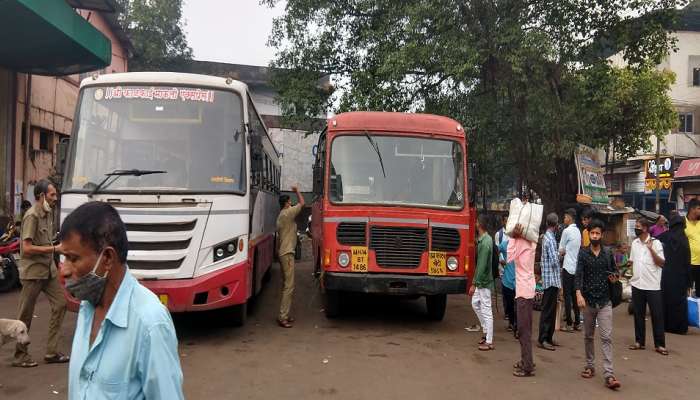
pixel 383 349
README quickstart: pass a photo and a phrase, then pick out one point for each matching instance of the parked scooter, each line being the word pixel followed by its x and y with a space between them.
pixel 9 254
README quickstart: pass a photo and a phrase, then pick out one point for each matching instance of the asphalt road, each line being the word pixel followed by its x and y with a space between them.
pixel 384 348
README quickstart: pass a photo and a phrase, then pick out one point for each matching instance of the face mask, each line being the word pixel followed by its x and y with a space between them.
pixel 638 232
pixel 89 287
pixel 47 207
pixel 595 242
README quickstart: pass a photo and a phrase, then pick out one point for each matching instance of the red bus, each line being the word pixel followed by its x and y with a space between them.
pixel 391 212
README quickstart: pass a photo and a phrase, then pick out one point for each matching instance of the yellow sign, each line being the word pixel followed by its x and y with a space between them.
pixel 359 258
pixel 664 184
pixel 438 263
pixel 163 299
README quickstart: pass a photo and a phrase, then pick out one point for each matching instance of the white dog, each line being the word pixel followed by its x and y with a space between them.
pixel 12 329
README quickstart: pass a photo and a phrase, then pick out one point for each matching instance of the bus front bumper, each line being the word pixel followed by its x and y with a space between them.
pixel 399 284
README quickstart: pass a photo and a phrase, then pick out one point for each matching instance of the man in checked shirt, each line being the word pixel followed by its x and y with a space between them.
pixel 551 283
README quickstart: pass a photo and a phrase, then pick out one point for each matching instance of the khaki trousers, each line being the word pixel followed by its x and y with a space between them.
pixel 27 300
pixel 287 264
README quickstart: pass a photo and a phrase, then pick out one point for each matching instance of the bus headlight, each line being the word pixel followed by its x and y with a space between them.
pixel 452 264
pixel 225 249
pixel 343 259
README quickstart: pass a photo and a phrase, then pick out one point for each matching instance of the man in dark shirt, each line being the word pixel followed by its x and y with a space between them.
pixel 595 269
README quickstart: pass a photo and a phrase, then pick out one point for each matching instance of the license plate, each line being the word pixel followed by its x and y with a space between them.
pixel 359 258
pixel 163 299
pixel 438 263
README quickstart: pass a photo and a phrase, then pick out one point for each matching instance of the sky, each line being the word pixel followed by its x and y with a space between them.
pixel 230 31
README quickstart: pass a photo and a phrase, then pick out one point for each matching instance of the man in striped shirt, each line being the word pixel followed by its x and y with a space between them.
pixel 551 283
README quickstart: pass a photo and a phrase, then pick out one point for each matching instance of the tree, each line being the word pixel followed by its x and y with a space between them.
pixel 529 77
pixel 155 28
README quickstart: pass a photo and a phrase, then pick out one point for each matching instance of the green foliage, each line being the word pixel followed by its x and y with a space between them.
pixel 155 28
pixel 530 77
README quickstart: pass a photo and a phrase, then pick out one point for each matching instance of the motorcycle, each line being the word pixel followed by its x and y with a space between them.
pixel 9 254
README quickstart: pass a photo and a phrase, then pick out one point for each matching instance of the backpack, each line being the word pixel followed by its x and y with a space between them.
pixel 495 261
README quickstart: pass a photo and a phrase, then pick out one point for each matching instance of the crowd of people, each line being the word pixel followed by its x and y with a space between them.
pixel 662 263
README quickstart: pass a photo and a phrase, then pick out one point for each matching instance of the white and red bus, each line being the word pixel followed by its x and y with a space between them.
pixel 391 212
pixel 188 163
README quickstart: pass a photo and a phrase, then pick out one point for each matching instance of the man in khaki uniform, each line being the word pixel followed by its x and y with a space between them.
pixel 38 273
pixel 286 244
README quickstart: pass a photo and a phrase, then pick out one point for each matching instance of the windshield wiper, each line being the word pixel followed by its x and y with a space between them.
pixel 117 173
pixel 376 149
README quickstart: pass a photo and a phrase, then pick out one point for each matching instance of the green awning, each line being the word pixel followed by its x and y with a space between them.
pixel 47 37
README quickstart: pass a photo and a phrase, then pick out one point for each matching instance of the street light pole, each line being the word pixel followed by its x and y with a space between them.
pixel 658 167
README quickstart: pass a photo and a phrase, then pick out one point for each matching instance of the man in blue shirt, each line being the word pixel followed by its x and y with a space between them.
pixel 568 248
pixel 125 345
pixel 508 288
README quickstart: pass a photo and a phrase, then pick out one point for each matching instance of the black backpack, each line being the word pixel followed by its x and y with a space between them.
pixel 495 261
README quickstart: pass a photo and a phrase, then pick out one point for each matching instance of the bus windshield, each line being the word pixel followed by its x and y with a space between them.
pixel 396 170
pixel 196 136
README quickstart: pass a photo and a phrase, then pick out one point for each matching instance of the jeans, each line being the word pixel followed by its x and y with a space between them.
pixel 570 298
pixel 548 316
pixel 640 299
pixel 604 317
pixel 481 303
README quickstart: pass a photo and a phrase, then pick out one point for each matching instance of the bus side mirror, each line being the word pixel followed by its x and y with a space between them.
pixel 472 183
pixel 336 187
pixel 318 180
pixel 62 155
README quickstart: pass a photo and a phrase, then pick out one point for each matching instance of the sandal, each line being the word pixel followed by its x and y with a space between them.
pixel 523 374
pixel 612 383
pixel 546 346
pixel 24 364
pixel 57 358
pixel 284 323
pixel 636 346
pixel 588 373
pixel 486 347
pixel 482 340
pixel 662 351
pixel 519 365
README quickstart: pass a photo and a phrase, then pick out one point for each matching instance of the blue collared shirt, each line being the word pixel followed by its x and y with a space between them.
pixel 508 277
pixel 134 355
pixel 551 273
pixel 571 244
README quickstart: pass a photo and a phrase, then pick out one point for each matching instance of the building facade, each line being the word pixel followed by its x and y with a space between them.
pixel 37 105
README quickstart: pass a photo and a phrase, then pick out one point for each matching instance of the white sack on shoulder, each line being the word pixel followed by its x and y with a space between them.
pixel 528 215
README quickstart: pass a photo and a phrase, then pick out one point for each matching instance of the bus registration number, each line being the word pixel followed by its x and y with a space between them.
pixel 438 263
pixel 359 258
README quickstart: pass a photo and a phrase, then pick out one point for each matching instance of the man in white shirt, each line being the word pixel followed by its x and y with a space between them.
pixel 647 259
pixel 569 247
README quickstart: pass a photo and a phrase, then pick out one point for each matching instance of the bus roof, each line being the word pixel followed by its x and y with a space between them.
pixel 395 122
pixel 167 78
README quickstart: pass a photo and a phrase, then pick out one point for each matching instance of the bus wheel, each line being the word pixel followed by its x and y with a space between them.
pixel 436 306
pixel 238 314
pixel 331 303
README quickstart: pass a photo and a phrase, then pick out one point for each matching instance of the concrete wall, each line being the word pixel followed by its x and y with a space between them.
pixel 297 159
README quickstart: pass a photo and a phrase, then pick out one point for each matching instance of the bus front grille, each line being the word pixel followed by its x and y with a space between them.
pixel 162 226
pixel 163 245
pixel 398 247
pixel 445 239
pixel 154 265
pixel 352 233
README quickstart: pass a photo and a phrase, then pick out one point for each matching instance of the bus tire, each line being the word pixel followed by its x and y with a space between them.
pixel 331 303
pixel 436 305
pixel 238 314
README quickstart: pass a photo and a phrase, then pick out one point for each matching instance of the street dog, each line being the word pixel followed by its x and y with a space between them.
pixel 12 329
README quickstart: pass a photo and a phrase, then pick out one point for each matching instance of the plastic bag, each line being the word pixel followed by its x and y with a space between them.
pixel 693 312
pixel 528 215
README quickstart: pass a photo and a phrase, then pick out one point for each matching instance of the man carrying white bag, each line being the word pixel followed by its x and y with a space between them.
pixel 528 216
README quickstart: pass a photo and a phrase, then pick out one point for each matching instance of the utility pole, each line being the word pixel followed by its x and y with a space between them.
pixel 658 173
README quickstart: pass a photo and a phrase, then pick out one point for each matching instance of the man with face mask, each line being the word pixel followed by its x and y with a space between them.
pixel 38 273
pixel 125 345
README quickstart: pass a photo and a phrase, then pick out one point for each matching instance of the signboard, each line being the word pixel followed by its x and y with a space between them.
pixel 664 171
pixel 590 174
pixel 689 168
